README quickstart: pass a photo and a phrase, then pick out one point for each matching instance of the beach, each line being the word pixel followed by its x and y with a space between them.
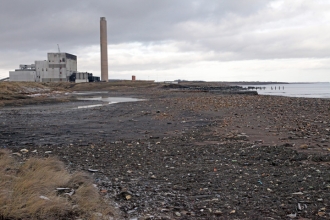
pixel 184 154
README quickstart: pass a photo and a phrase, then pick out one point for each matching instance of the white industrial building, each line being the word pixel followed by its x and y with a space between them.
pixel 59 67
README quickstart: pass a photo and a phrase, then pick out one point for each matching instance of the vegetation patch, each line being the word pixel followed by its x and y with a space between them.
pixel 44 189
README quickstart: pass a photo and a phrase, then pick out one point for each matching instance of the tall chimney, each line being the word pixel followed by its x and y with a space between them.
pixel 104 49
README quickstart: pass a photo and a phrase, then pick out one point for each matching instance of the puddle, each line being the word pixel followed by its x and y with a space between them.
pixel 88 93
pixel 90 106
pixel 91 99
pixel 109 100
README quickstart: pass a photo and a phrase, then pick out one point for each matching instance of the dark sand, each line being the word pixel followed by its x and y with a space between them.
pixel 187 155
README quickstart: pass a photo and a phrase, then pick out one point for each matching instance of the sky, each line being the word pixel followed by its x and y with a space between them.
pixel 213 40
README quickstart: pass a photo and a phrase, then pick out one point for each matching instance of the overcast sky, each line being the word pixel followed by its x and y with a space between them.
pixel 212 40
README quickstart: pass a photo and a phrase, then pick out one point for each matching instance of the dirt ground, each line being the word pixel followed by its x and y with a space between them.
pixel 184 154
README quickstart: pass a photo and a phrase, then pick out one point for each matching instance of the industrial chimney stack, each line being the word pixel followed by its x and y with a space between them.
pixel 104 49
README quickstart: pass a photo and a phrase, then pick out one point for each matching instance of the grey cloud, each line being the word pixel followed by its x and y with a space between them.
pixel 34 23
pixel 219 30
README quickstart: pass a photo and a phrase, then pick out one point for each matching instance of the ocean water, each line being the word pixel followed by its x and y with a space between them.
pixel 307 90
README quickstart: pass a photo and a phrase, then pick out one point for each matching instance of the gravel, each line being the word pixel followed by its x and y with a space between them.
pixel 188 155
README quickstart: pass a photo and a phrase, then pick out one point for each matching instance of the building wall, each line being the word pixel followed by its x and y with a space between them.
pixel 71 65
pixel 58 67
pixel 61 66
pixel 41 69
pixel 23 76
pixel 81 77
pixel 81 80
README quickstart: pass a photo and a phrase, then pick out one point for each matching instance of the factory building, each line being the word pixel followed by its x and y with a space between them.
pixel 59 67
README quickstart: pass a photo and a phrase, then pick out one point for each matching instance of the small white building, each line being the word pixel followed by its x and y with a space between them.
pixel 59 67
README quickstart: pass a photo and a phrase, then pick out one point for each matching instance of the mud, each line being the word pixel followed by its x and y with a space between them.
pixel 188 155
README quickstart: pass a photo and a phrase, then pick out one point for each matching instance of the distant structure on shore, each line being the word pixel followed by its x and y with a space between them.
pixel 104 49
pixel 59 67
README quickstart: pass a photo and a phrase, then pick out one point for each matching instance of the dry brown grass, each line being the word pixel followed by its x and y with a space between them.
pixel 28 191
pixel 19 90
pixel 17 93
pixel 11 88
pixel 21 87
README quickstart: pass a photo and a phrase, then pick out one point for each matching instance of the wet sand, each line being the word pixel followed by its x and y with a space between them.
pixel 188 155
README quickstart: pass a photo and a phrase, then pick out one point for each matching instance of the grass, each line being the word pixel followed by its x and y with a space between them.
pixel 10 89
pixel 29 191
pixel 21 87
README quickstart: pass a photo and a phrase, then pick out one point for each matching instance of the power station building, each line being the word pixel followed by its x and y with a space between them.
pixel 59 67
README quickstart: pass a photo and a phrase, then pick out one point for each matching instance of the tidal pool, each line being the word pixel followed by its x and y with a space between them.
pixel 108 100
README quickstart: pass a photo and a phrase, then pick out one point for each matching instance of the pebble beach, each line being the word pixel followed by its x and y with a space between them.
pixel 186 154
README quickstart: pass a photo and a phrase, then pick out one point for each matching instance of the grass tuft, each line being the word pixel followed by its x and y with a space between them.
pixel 29 191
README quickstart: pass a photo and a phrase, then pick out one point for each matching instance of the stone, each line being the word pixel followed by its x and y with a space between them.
pixel 303 146
pixel 24 151
pixel 177 214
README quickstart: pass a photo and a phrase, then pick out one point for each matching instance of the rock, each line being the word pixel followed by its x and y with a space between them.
pixel 24 151
pixel 177 214
pixel 126 194
pixel 292 215
pixel 44 197
pixel 321 212
pixel 217 212
pixel 303 146
pixel 70 193
pixel 131 211
pixel 62 189
pixel 299 207
pixel 287 145
pixel 92 170
pixel 17 154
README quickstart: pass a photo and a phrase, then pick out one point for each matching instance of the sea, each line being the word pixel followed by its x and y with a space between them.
pixel 306 90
